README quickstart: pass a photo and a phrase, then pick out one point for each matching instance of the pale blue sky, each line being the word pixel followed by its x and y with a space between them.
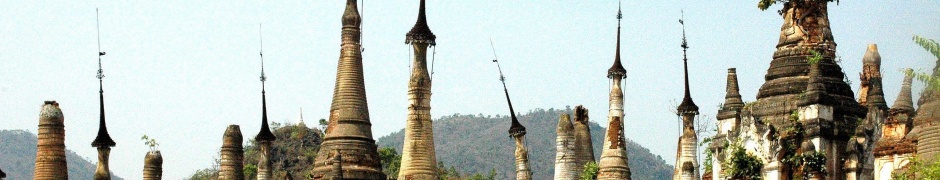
pixel 180 71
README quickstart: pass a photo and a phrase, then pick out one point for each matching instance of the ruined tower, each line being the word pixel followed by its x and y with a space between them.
pixel 565 165
pixel 869 131
pixel 153 166
pixel 418 160
pixel 584 149
pixel 264 138
pixel 50 149
pixel 614 163
pixel 103 141
pixel 687 151
pixel 893 149
pixel 349 132
pixel 232 155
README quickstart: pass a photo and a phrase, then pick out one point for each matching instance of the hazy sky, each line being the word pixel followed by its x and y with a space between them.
pixel 182 71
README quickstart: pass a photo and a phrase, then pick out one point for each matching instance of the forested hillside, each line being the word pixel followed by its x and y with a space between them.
pixel 18 157
pixel 479 144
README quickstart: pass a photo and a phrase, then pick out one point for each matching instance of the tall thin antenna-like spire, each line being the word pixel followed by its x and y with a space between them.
pixel 103 139
pixel 687 105
pixel 265 133
pixel 516 128
pixel 617 68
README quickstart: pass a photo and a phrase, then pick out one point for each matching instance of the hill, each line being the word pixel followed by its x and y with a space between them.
pixel 18 157
pixel 478 144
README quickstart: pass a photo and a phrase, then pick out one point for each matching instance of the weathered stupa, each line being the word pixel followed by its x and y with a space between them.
pixel 103 141
pixel 893 149
pixel 50 150
pixel 153 165
pixel 584 149
pixel 614 163
pixel 728 121
pixel 927 121
pixel 264 137
pixel 826 112
pixel 686 152
pixel 871 95
pixel 418 160
pixel 349 132
pixel 232 155
pixel 564 150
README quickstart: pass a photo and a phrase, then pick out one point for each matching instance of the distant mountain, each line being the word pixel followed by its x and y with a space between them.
pixel 18 157
pixel 477 144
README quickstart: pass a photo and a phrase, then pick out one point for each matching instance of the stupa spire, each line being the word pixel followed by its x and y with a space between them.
pixel 103 139
pixel 904 101
pixel 421 33
pixel 617 69
pixel 265 133
pixel 687 105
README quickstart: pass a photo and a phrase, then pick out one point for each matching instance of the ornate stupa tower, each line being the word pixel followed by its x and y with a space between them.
pixel 614 163
pixel 418 160
pixel 50 149
pixel 687 152
pixel 350 131
pixel 828 115
pixel 264 138
pixel 517 132
pixel 232 155
pixel 103 141
pixel 564 150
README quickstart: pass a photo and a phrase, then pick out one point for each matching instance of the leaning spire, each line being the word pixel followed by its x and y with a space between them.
pixel 516 131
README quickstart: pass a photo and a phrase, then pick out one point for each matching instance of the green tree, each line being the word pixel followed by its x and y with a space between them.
pixel 391 161
pixel 932 81
pixel 918 169
pixel 590 171
pixel 742 165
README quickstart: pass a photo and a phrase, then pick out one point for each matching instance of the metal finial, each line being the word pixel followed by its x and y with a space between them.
pixel 100 53
pixel 496 60
pixel 619 13
pixel 261 53
pixel 685 45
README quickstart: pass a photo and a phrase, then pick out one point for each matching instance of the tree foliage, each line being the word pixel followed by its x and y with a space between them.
pixel 918 169
pixel 765 4
pixel 590 171
pixel 391 161
pixel 742 165
pixel 932 81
